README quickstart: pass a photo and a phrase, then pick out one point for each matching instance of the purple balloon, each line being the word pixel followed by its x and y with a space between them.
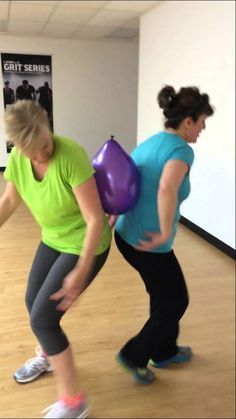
pixel 117 178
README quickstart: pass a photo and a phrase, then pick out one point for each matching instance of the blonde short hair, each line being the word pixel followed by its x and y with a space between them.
pixel 24 122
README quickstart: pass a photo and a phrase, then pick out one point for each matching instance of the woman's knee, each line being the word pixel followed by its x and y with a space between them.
pixel 49 334
pixel 29 302
pixel 182 304
pixel 42 320
pixel 186 298
pixel 37 323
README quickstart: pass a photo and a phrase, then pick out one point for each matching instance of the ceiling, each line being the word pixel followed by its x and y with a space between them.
pixel 87 20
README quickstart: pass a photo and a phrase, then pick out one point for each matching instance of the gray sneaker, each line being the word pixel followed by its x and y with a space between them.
pixel 33 368
pixel 60 410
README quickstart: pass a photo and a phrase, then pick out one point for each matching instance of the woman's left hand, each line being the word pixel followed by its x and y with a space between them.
pixel 71 288
pixel 153 240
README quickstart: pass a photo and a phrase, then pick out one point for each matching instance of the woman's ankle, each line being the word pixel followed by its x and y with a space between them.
pixel 72 400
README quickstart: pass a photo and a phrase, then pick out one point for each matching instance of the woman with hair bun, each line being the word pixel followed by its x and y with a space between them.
pixel 145 235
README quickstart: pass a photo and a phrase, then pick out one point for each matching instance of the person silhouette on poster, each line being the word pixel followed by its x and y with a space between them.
pixel 8 94
pixel 25 91
pixel 45 98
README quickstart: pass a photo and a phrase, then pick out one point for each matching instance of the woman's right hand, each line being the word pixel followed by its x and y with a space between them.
pixel 73 285
pixel 153 240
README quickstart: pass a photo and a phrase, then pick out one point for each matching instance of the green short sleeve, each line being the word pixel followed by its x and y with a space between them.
pixel 79 168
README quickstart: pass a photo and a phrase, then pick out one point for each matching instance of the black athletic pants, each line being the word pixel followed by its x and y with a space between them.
pixel 46 277
pixel 165 284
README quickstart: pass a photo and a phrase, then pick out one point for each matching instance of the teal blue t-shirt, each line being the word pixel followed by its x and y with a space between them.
pixel 150 157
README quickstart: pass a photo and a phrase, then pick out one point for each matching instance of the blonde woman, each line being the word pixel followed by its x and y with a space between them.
pixel 54 177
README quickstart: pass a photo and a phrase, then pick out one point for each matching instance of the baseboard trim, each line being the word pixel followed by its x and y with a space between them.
pixel 228 250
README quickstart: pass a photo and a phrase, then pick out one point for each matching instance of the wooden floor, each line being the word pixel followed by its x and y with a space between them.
pixel 111 311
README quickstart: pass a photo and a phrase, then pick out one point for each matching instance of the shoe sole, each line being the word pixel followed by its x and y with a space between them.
pixel 84 415
pixel 32 378
pixel 165 364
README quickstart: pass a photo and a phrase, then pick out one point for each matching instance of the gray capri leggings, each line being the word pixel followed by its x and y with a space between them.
pixel 48 270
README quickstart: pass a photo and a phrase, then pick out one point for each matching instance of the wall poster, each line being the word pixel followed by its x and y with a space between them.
pixel 29 77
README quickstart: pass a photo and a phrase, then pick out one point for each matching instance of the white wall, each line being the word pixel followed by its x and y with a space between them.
pixel 94 89
pixel 192 43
